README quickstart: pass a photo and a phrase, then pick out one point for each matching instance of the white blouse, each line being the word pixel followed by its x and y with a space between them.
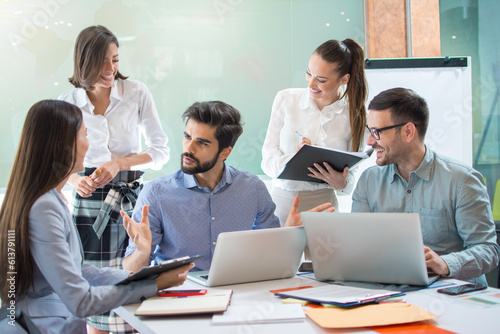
pixel 294 110
pixel 117 133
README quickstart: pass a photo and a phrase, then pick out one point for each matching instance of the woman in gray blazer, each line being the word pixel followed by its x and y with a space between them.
pixel 42 272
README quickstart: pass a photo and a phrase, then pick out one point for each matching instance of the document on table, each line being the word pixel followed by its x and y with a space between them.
pixel 369 315
pixel 341 295
pixel 260 314
pixel 479 299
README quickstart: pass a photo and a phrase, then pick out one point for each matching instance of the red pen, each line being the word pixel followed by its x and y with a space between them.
pixel 181 293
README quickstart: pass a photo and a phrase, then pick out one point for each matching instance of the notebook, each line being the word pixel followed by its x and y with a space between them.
pixel 212 302
pixel 367 247
pixel 255 255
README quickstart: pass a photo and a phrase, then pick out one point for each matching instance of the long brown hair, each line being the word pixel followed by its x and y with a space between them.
pixel 90 51
pixel 45 157
pixel 349 58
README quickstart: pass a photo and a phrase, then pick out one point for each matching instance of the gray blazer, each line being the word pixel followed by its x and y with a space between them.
pixel 66 290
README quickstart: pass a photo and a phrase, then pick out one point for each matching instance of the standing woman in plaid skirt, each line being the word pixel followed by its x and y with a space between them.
pixel 116 111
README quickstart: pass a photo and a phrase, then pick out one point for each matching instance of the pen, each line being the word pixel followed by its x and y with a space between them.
pixel 298 134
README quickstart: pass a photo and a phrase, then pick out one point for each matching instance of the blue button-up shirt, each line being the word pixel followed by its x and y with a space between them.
pixel 454 208
pixel 186 218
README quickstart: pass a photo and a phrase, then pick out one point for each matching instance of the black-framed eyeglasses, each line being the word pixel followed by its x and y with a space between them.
pixel 376 132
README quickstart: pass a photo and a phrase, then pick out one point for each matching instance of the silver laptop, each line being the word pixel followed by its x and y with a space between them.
pixel 255 255
pixel 367 247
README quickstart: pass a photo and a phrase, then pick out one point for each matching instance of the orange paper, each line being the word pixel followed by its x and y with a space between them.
pixel 369 315
pixel 418 328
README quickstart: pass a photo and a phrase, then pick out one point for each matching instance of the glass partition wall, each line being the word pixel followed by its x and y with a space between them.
pixel 239 51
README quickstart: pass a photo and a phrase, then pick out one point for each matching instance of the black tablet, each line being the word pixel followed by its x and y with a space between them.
pixel 159 268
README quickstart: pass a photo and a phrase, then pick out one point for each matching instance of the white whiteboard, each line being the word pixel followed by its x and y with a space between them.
pixel 448 92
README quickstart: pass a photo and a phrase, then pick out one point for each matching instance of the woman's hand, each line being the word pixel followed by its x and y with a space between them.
pixel 84 185
pixel 336 179
pixel 140 233
pixel 174 277
pixel 105 172
pixel 305 141
pixel 295 219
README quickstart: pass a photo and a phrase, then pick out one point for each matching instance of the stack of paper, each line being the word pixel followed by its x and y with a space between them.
pixel 340 295
pixel 213 301
pixel 260 314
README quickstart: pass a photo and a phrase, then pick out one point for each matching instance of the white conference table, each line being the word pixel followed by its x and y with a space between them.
pixel 453 315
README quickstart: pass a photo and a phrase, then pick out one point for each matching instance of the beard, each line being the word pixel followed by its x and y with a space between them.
pixel 396 153
pixel 198 168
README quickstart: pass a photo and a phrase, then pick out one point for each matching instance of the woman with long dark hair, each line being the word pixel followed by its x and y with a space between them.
pixel 46 278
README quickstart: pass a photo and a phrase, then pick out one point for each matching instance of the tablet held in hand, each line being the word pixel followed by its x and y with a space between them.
pixel 156 270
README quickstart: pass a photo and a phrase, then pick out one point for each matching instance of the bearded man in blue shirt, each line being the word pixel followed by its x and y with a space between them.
pixel 190 208
pixel 451 198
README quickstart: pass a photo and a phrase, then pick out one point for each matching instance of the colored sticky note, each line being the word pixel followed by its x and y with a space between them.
pixel 294 301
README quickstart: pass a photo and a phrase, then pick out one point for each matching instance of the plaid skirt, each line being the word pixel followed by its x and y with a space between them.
pixel 104 240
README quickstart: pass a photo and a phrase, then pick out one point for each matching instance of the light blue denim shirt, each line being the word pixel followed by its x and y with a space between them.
pixel 453 204
pixel 186 218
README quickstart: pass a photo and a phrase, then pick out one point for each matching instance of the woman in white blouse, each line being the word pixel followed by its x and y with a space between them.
pixel 329 113
pixel 116 111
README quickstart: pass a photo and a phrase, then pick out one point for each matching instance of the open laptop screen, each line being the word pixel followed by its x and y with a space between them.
pixel 366 247
pixel 255 255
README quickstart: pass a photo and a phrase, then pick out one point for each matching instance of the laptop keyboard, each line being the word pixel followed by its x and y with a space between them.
pixel 204 276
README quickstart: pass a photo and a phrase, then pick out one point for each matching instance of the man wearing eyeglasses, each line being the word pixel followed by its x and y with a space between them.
pixel 455 212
